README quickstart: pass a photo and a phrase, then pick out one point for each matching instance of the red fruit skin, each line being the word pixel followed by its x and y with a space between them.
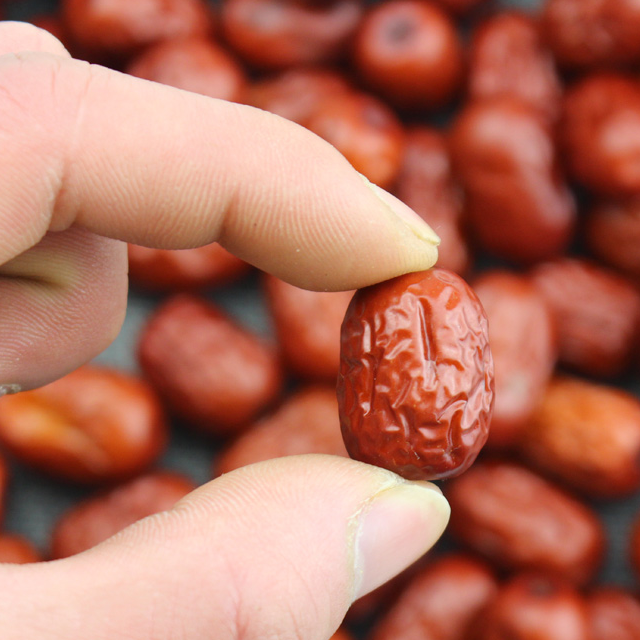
pixel 415 388
pixel 613 234
pixel 600 134
pixel 586 436
pixel 209 370
pixel 442 602
pixel 518 205
pixel 279 34
pixel 121 27
pixel 95 519
pixel 194 64
pixel 294 94
pixel 587 34
pixel 306 422
pixel 522 335
pixel 519 521
pixel 535 607
pixel 169 270
pixel 613 613
pixel 508 57
pixel 597 315
pixel 426 184
pixel 94 425
pixel 17 549
pixel 409 52
pixel 366 132
pixel 307 326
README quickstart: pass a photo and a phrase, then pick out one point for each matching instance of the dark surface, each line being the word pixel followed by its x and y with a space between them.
pixel 36 502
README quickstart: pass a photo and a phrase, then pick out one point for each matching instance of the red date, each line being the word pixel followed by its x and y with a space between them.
pixel 90 522
pixel 208 369
pixel 17 549
pixel 613 613
pixel 93 425
pixel 442 602
pixel 519 521
pixel 307 326
pixel 307 422
pixel 416 378
pixel 523 344
pixel 518 205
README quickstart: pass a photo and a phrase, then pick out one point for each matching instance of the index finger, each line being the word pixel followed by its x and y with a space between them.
pixel 146 163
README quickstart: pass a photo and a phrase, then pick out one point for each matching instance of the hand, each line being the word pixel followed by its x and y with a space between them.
pixel 92 158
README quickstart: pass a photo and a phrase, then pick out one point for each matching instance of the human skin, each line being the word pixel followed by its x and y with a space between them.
pixel 87 167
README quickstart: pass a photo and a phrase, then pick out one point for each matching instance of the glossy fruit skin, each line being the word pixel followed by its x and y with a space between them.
pixel 415 388
pixel 183 269
pixel 279 34
pixel 366 132
pixel 94 425
pixel 519 521
pixel 600 134
pixel 522 335
pixel 613 234
pixel 97 518
pixel 306 422
pixel 294 94
pixel 194 64
pixel 409 52
pixel 442 602
pixel 518 204
pixel 508 57
pixel 597 314
pixel 535 607
pixel 307 326
pixel 613 613
pixel 587 436
pixel 589 34
pixel 426 184
pixel 121 27
pixel 209 370
pixel 17 549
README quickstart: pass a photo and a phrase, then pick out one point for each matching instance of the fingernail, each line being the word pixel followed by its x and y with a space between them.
pixel 396 527
pixel 417 225
pixel 8 389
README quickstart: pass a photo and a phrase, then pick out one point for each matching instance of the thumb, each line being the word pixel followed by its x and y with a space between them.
pixel 279 549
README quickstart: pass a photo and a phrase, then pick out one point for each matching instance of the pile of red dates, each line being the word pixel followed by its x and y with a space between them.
pixel 516 135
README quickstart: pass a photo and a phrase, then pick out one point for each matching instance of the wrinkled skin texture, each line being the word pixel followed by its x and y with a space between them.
pixel 600 134
pixel 121 27
pixel 520 521
pixel 295 94
pixel 441 603
pixel 410 52
pixel 613 234
pixel 192 64
pixel 307 422
pixel 592 33
pixel 518 204
pixel 17 549
pixel 94 425
pixel 366 132
pixel 588 436
pixel 523 344
pixel 97 518
pixel 183 269
pixel 508 57
pixel 307 326
pixel 277 34
pixel 597 315
pixel 208 369
pixel 613 613
pixel 426 184
pixel 415 388
pixel 535 607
